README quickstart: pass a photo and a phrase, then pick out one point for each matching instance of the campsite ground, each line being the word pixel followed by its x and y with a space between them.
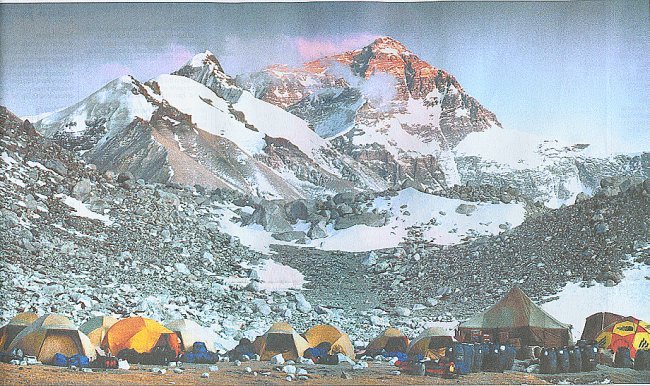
pixel 229 374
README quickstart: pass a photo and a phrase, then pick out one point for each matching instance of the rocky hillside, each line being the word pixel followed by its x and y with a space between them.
pixel 82 242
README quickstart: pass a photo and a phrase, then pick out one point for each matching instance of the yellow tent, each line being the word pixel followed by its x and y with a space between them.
pixel 51 334
pixel 14 327
pixel 281 338
pixel 392 340
pixel 140 334
pixel 97 327
pixel 190 332
pixel 325 333
pixel 629 332
pixel 431 343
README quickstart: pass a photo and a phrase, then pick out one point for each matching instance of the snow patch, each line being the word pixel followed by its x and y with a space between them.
pixel 628 298
pixel 81 210
pixel 274 276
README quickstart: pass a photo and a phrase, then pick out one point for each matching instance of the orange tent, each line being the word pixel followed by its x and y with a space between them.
pixel 629 332
pixel 140 334
pixel 14 327
pixel 391 340
pixel 325 333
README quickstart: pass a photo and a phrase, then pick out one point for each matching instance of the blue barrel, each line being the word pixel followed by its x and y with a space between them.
pixel 491 359
pixel 479 351
pixel 456 353
pixel 642 360
pixel 575 360
pixel 548 361
pixel 507 356
pixel 562 360
pixel 622 358
pixel 468 351
pixel 589 354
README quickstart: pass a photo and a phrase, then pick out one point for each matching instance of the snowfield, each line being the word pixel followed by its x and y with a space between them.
pixel 447 229
pixel 628 298
pixel 81 210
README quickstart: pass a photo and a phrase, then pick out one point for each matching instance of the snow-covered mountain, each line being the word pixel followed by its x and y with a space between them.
pixel 382 105
pixel 370 119
pixel 210 133
pixel 415 125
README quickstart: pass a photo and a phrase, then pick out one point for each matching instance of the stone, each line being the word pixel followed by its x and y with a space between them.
pixel 345 375
pixel 465 209
pixel 277 359
pixel 125 176
pixel 289 236
pixel 289 369
pixel 178 370
pixel 378 321
pixel 345 197
pixel 370 219
pixel 317 231
pixel 302 304
pixel 205 375
pixel 57 166
pixel 370 259
pixel 601 228
pixel 182 268
pixel 213 368
pixel 402 311
pixel 297 210
pixel 82 189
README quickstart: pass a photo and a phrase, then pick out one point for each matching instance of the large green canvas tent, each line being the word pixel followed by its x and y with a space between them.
pixel 516 320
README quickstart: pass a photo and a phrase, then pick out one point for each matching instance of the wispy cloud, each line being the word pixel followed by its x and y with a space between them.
pixel 318 47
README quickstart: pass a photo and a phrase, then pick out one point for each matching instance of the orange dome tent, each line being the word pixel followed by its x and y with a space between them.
pixel 630 332
pixel 325 333
pixel 97 327
pixel 281 338
pixel 392 340
pixel 140 334
pixel 431 343
pixel 14 327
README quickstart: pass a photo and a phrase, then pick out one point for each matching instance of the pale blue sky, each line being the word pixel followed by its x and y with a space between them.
pixel 573 70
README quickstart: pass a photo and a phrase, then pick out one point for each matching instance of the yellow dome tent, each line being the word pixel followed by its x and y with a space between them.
pixel 190 332
pixel 630 332
pixel 97 327
pixel 14 327
pixel 281 338
pixel 140 334
pixel 431 343
pixel 392 340
pixel 325 333
pixel 51 334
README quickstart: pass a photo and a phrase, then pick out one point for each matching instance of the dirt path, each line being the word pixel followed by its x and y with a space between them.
pixel 229 374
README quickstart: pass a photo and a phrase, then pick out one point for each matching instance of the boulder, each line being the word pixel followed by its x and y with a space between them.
pixel 272 217
pixel 465 208
pixel 289 236
pixel 82 189
pixel 369 219
pixel 297 210
pixel 317 231
pixel 345 197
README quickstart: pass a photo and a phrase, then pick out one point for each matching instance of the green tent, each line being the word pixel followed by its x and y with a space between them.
pixel 516 320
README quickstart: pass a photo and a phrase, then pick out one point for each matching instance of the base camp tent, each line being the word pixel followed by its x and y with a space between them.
pixel 431 343
pixel 14 327
pixel 140 334
pixel 391 340
pixel 97 327
pixel 51 334
pixel 598 322
pixel 518 321
pixel 281 338
pixel 325 333
pixel 630 332
pixel 189 332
